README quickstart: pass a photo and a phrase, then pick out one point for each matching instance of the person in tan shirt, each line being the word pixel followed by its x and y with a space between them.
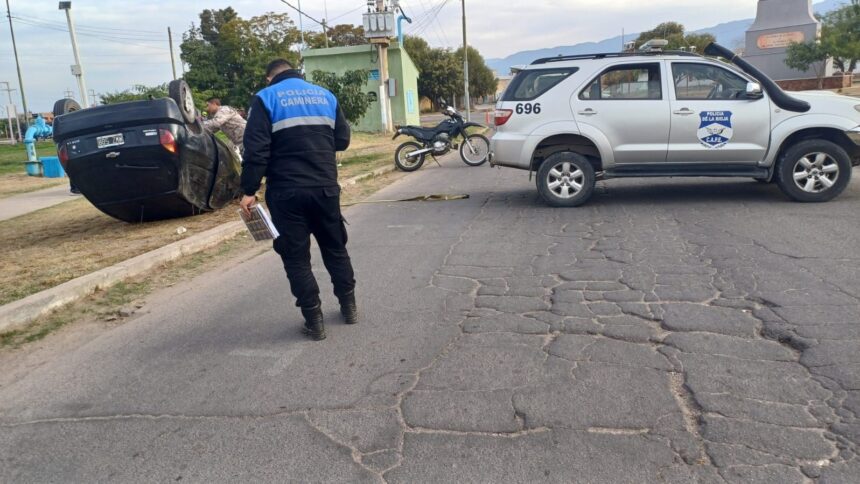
pixel 226 119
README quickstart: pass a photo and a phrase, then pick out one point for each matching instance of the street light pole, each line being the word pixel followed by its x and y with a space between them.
pixel 18 66
pixel 466 66
pixel 77 69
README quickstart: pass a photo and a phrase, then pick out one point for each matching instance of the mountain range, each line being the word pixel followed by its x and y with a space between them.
pixel 729 34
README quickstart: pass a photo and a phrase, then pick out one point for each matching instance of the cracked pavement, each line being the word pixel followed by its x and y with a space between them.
pixel 670 331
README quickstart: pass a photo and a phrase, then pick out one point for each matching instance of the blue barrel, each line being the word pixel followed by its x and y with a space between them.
pixel 51 167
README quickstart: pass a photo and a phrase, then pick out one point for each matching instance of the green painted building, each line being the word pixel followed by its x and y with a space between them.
pixel 404 104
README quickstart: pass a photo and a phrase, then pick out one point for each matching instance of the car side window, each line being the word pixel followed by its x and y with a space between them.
pixel 626 82
pixel 703 82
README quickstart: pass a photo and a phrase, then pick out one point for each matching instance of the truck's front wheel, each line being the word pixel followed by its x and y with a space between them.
pixel 814 171
pixel 565 180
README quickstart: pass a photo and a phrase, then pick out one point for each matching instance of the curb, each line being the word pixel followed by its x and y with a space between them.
pixel 17 314
pixel 366 176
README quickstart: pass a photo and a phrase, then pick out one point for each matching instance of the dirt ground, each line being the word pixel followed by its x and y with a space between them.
pixel 57 244
pixel 14 184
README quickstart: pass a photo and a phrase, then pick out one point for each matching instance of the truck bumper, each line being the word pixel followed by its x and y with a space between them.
pixel 507 150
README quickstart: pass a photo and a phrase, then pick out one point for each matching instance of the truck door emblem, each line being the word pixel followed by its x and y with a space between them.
pixel 112 154
pixel 715 129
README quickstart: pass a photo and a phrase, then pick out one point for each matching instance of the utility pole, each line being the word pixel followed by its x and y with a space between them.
pixel 9 111
pixel 18 66
pixel 172 60
pixel 468 102
pixel 93 97
pixel 302 30
pixel 77 69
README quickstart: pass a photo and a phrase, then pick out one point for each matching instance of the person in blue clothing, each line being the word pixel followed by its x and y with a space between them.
pixel 293 132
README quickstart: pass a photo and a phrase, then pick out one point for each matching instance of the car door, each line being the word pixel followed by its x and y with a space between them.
pixel 713 121
pixel 627 103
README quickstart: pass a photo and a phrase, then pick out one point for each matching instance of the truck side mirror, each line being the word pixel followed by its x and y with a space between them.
pixel 754 91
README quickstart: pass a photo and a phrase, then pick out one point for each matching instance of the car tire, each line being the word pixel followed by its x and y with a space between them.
pixel 403 164
pixel 559 176
pixel 65 106
pixel 180 92
pixel 814 171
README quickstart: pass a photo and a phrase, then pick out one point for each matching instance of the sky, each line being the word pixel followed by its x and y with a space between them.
pixel 124 42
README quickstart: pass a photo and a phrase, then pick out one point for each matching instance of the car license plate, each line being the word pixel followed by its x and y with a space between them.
pixel 110 140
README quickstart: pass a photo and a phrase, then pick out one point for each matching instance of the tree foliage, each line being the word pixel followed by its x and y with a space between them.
pixel 809 55
pixel 348 89
pixel 482 80
pixel 840 40
pixel 138 92
pixel 342 35
pixel 675 33
pixel 441 71
pixel 841 35
pixel 227 55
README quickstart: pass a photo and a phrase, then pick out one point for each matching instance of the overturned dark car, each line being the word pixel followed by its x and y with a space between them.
pixel 147 160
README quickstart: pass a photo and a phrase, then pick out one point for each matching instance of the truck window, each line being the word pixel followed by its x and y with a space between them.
pixel 529 85
pixel 626 82
pixel 702 82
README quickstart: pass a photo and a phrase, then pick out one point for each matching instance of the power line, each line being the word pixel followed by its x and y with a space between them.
pixel 118 40
pixel 87 27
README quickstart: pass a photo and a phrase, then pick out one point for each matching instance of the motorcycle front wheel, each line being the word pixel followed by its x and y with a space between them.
pixel 475 150
pixel 404 161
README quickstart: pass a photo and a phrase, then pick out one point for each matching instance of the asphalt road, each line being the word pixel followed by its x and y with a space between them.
pixel 669 331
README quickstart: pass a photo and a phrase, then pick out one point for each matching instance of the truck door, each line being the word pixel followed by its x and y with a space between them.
pixel 712 120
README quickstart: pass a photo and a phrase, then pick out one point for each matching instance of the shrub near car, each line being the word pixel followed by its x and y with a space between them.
pixel 576 119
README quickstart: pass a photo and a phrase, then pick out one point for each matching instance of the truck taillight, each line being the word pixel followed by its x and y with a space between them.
pixel 63 155
pixel 167 140
pixel 502 116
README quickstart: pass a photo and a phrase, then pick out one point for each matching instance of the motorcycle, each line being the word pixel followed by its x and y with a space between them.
pixel 438 141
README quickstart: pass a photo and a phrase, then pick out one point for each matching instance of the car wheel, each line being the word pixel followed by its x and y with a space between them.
pixel 814 171
pixel 66 106
pixel 565 180
pixel 180 92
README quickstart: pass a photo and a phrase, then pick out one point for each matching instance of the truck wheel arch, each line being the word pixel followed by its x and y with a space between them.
pixel 567 142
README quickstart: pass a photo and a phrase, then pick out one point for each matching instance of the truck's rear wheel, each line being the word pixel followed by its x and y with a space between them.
pixel 565 180
pixel 814 171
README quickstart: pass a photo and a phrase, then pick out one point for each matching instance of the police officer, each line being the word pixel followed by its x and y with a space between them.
pixel 294 129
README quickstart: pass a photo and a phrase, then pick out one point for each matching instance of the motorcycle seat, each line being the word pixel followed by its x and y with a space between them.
pixel 420 132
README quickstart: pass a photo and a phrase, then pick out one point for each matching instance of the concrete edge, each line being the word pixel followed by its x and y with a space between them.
pixel 18 314
pixel 366 176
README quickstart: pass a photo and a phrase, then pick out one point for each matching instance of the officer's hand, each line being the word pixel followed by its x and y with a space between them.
pixel 246 204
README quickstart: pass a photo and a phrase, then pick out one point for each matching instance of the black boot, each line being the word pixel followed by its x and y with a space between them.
pixel 314 327
pixel 349 309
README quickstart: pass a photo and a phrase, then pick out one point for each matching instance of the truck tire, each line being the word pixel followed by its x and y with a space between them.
pixel 565 179
pixel 66 106
pixel 180 92
pixel 813 171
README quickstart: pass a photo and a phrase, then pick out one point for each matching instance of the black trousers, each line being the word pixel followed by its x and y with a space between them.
pixel 297 213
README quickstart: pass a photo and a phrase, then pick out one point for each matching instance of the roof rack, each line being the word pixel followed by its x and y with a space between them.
pixel 605 55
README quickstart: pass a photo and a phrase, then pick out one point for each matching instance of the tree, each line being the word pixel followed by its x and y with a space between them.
pixel 227 55
pixel 348 89
pixel 808 55
pixel 138 92
pixel 841 34
pixel 440 75
pixel 674 32
pixel 338 36
pixel 482 80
